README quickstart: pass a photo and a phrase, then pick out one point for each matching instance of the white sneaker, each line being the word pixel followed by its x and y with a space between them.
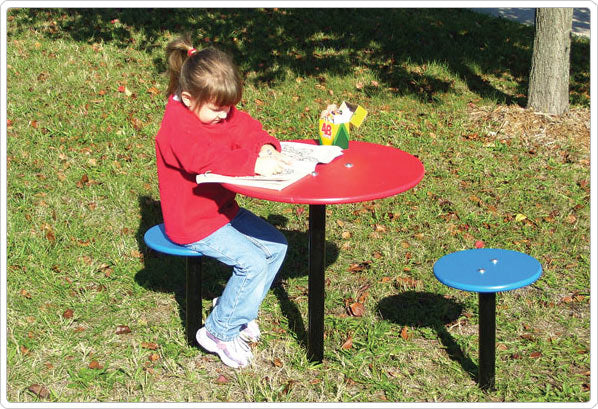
pixel 235 353
pixel 250 332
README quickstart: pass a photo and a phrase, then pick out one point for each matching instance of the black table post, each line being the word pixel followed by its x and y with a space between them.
pixel 193 298
pixel 317 258
pixel 487 338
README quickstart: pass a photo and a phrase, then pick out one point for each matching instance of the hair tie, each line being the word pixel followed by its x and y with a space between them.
pixel 191 51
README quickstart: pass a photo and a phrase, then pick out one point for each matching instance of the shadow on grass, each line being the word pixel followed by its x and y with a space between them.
pixel 423 309
pixel 272 42
pixel 164 273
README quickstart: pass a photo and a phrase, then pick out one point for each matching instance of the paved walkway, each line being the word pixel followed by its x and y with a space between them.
pixel 581 17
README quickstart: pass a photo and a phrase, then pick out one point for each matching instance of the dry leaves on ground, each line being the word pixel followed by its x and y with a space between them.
pixel 533 128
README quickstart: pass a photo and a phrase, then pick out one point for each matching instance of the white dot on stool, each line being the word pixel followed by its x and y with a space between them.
pixel 494 261
pixel 481 271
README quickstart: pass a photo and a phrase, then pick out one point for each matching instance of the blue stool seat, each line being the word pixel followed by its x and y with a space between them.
pixel 487 271
pixel 156 239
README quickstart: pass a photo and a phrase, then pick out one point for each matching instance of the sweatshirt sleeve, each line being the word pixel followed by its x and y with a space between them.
pixel 205 155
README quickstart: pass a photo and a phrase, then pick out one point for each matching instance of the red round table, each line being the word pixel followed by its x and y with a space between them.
pixel 365 171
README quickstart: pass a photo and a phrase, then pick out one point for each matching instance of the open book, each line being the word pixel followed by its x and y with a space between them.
pixel 304 158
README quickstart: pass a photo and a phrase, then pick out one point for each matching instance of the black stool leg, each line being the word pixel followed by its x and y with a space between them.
pixel 487 339
pixel 193 297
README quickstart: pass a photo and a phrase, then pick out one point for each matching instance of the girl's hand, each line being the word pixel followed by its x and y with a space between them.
pixel 267 166
pixel 269 151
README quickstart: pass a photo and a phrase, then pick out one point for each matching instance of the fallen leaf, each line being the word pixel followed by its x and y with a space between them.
pixel 357 267
pixel 95 365
pixel 122 329
pixel 535 354
pixel 356 309
pixel 475 199
pixel 277 363
pixel 25 294
pixel 346 235
pixel 404 333
pixel 154 357
pixel 520 217
pixel 479 244
pixel 149 345
pixel 221 379
pixel 153 90
pixel 39 390
pixel 348 343
pixel 288 386
pixel 83 181
pixel 68 314
pixel 407 282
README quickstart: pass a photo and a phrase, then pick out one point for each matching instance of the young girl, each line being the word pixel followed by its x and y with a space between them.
pixel 202 131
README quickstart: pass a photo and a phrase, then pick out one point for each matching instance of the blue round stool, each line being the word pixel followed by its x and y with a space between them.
pixel 156 239
pixel 487 271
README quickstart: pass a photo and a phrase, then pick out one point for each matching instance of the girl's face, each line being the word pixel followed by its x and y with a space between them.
pixel 209 113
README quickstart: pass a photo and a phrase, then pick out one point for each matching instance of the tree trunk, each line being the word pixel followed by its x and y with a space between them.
pixel 549 76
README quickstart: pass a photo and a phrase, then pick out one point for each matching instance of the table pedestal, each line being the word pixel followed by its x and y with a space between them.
pixel 317 263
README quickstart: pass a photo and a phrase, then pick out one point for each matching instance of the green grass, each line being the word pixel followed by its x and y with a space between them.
pixel 82 190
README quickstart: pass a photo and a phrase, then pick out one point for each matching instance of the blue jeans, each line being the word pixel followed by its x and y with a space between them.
pixel 256 250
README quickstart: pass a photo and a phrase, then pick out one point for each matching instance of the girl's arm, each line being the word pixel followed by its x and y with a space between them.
pixel 200 155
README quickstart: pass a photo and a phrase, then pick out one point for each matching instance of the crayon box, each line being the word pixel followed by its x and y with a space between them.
pixel 334 128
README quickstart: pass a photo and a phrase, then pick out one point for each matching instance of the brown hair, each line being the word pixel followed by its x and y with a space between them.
pixel 209 75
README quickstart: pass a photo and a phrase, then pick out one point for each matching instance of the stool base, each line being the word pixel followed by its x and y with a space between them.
pixel 487 339
pixel 193 298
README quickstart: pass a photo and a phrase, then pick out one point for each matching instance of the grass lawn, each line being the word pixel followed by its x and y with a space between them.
pixel 93 316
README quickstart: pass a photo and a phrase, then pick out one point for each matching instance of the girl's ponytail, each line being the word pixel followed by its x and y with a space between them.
pixel 209 75
pixel 177 51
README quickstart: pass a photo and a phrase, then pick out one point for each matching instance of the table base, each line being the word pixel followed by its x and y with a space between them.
pixel 316 293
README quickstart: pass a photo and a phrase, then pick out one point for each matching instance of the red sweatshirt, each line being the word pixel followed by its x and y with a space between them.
pixel 186 147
